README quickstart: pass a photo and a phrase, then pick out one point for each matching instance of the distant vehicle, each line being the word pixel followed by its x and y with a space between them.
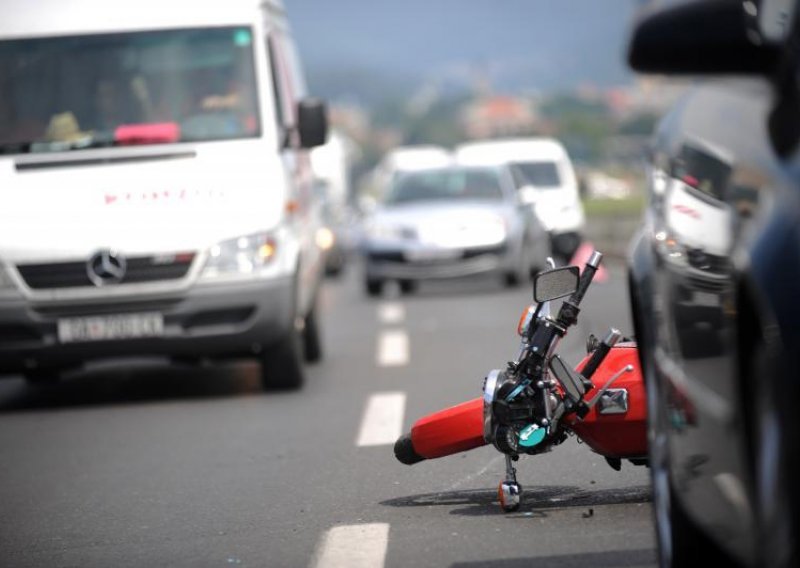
pixel 332 163
pixel 157 200
pixel 408 159
pixel 545 178
pixel 449 222
pixel 715 285
pixel 600 185
pixel 413 158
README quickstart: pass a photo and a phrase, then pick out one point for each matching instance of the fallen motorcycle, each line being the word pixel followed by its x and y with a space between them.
pixel 538 401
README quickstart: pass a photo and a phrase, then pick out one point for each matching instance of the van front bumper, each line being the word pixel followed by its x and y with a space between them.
pixel 220 320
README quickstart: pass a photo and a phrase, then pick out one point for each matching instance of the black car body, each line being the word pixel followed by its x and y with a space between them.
pixel 715 286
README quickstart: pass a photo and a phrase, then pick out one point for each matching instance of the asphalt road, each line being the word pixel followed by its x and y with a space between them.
pixel 139 464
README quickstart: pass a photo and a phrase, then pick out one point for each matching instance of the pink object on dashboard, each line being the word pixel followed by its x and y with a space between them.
pixel 152 133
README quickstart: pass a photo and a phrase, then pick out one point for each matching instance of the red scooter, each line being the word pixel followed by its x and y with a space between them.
pixel 539 400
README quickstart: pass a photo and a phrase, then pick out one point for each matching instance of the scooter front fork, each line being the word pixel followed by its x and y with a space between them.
pixel 509 491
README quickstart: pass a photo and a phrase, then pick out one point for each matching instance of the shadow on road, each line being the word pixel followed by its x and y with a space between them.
pixel 610 559
pixel 132 384
pixel 536 501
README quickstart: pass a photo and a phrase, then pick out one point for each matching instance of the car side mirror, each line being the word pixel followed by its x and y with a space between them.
pixel 312 122
pixel 711 37
pixel 555 283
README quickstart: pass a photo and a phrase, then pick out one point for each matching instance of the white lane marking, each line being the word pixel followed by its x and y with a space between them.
pixel 353 546
pixel 391 313
pixel 383 419
pixel 392 348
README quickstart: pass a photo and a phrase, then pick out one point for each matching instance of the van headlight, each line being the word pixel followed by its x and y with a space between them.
pixel 243 255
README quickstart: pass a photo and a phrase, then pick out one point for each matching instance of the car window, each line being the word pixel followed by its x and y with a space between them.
pixel 702 170
pixel 76 92
pixel 537 174
pixel 447 184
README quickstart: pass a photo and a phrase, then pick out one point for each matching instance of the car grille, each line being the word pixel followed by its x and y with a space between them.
pixel 74 274
pixel 708 262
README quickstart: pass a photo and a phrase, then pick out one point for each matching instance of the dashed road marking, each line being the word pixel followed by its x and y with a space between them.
pixel 382 423
pixel 391 313
pixel 392 348
pixel 353 546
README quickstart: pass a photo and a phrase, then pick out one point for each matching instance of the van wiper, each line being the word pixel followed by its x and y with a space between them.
pixel 41 146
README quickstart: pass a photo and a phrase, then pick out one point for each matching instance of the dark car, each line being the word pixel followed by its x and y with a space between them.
pixel 715 284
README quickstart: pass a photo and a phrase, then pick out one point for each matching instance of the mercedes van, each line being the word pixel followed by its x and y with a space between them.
pixel 544 177
pixel 155 186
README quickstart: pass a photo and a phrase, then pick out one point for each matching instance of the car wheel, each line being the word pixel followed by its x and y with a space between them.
pixel 515 277
pixel 282 363
pixel 373 286
pixel 408 286
pixel 312 342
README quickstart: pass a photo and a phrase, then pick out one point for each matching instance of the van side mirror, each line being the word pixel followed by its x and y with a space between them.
pixel 711 37
pixel 312 122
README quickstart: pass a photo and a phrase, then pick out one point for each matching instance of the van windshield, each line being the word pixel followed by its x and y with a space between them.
pixel 157 87
pixel 536 174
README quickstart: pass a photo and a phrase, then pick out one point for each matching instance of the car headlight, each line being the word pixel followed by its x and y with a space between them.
pixel 671 249
pixel 242 255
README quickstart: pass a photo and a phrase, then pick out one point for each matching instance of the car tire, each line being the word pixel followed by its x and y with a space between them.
pixel 515 277
pixel 373 287
pixel 408 286
pixel 282 363
pixel 312 341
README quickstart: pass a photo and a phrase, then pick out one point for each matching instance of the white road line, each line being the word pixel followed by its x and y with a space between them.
pixel 392 348
pixel 382 423
pixel 353 546
pixel 391 313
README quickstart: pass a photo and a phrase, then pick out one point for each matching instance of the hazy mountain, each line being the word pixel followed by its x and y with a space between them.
pixel 366 48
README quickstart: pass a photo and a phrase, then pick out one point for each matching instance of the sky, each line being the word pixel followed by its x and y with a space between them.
pixel 517 45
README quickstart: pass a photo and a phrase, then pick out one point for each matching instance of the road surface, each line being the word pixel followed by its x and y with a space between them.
pixel 142 464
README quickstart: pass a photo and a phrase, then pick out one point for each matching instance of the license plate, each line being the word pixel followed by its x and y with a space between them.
pixel 429 255
pixel 706 299
pixel 104 328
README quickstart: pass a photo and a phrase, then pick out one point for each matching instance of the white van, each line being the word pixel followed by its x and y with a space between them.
pixel 155 186
pixel 544 177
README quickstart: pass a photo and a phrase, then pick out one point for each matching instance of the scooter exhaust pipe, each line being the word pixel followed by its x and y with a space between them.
pixel 443 433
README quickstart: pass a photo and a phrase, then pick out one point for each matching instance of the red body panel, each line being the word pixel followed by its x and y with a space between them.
pixel 617 435
pixel 449 431
pixel 460 428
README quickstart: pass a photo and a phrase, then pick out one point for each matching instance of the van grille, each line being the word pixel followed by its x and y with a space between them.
pixel 74 274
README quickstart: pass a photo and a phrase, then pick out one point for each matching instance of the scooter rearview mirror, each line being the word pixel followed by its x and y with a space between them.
pixel 555 283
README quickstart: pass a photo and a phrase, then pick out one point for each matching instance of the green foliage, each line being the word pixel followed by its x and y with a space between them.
pixel 642 124
pixel 632 206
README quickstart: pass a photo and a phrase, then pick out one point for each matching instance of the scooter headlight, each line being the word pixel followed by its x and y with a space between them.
pixel 490 385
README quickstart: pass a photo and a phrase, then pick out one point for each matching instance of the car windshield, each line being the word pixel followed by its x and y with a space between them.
pixel 452 184
pixel 537 174
pixel 703 171
pixel 71 93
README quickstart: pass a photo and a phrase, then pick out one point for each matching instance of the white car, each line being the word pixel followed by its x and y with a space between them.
pixel 544 177
pixel 452 222
pixel 155 192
